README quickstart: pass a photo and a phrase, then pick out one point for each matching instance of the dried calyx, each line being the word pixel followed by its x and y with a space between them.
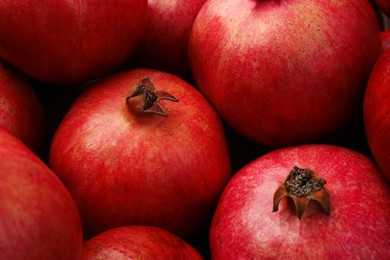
pixel 302 185
pixel 151 97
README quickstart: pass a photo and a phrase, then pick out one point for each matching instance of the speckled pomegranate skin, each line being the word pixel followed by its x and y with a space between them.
pixel 376 112
pixel 138 242
pixel 245 227
pixel 126 167
pixel 284 72
pixel 39 219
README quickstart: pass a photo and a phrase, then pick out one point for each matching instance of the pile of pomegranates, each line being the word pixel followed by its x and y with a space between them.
pixel 195 129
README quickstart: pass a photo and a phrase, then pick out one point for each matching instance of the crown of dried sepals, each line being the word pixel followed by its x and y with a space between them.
pixel 151 97
pixel 302 185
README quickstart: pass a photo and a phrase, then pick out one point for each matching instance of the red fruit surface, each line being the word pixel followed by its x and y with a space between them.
pixel 245 227
pixel 127 167
pixel 377 112
pixel 284 72
pixel 165 43
pixel 138 242
pixel 21 112
pixel 70 41
pixel 39 219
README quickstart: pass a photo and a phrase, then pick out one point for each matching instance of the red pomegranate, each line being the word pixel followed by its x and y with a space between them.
pixel 138 242
pixel 39 219
pixel 21 112
pixel 304 202
pixel 376 112
pixel 130 156
pixel 283 73
pixel 70 41
pixel 165 43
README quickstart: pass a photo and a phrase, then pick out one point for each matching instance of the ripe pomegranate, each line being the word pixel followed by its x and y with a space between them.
pixel 376 112
pixel 294 80
pixel 39 219
pixel 131 156
pixel 21 112
pixel 138 242
pixel 304 202
pixel 70 41
pixel 165 43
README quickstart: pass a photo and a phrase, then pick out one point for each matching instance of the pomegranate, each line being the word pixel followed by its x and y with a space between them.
pixel 142 147
pixel 304 202
pixel 21 112
pixel 376 112
pixel 294 80
pixel 70 41
pixel 138 242
pixel 165 43
pixel 39 219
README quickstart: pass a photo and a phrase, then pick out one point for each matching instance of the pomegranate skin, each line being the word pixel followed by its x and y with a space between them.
pixel 138 242
pixel 21 112
pixel 376 110
pixel 291 81
pixel 165 42
pixel 66 42
pixel 244 226
pixel 127 167
pixel 39 219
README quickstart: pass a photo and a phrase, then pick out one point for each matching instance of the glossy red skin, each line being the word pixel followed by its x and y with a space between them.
pixel 70 41
pixel 126 167
pixel 291 81
pixel 39 219
pixel 244 226
pixel 21 112
pixel 138 242
pixel 165 43
pixel 376 112
pixel 384 6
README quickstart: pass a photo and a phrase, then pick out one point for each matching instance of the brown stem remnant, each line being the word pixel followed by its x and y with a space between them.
pixel 151 97
pixel 302 185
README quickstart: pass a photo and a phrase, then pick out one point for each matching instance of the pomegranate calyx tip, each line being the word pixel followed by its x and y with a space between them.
pixel 150 97
pixel 302 185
